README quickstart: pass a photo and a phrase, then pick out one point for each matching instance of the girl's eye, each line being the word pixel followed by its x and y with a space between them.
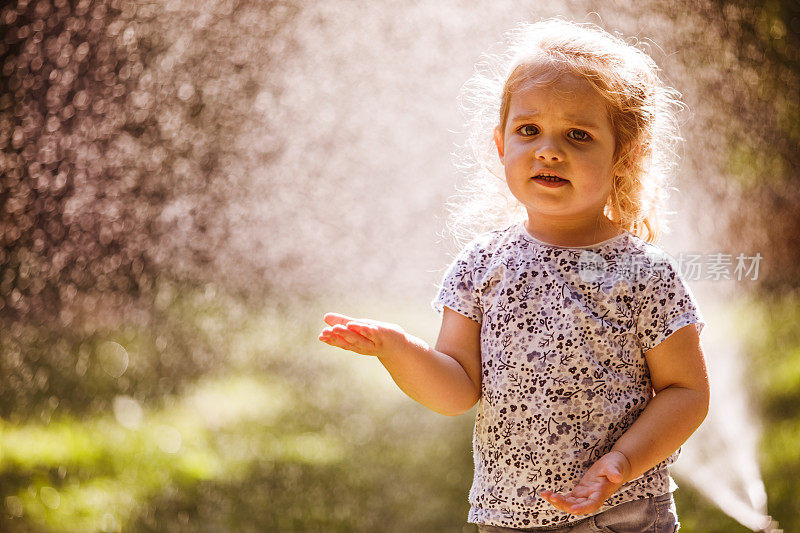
pixel 579 135
pixel 528 130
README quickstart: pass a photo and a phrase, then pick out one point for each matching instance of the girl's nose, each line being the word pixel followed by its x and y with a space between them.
pixel 548 151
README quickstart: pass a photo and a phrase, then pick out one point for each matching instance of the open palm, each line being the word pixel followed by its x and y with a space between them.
pixel 361 335
pixel 599 482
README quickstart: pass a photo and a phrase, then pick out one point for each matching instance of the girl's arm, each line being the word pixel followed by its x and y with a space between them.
pixel 446 379
pixel 680 381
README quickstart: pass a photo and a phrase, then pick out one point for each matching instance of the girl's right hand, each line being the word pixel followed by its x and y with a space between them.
pixel 362 335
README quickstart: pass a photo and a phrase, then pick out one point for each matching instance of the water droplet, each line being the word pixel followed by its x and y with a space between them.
pixel 108 523
pixel 81 100
pixel 82 51
pixel 50 497
pixel 265 102
pixel 113 358
pixel 185 92
pixel 129 36
pixel 168 439
pixel 14 506
pixel 128 412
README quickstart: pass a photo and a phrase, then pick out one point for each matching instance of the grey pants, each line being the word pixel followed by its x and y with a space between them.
pixel 656 514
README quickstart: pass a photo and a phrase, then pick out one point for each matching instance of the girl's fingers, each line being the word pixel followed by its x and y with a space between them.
pixel 350 336
pixel 365 330
pixel 339 342
pixel 613 475
pixel 546 494
pixel 556 500
pixel 553 497
pixel 570 503
pixel 332 319
pixel 341 337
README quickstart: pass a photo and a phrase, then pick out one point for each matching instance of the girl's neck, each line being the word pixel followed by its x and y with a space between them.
pixel 572 232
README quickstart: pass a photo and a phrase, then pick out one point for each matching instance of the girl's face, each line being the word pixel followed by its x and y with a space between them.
pixel 560 129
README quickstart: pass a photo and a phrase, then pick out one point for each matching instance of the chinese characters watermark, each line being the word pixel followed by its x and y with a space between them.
pixel 718 266
pixel 689 266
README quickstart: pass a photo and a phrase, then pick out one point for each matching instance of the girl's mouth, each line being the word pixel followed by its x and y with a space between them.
pixel 549 181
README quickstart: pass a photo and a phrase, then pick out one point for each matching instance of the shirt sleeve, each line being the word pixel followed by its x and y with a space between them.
pixel 457 290
pixel 667 305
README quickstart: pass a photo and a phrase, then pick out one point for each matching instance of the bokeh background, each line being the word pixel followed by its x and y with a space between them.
pixel 187 186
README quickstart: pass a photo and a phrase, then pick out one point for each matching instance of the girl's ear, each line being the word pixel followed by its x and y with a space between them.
pixel 499 142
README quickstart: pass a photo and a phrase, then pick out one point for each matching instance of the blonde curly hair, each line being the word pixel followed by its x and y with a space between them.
pixel 641 107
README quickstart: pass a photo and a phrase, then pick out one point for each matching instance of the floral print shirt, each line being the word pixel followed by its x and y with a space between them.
pixel 563 337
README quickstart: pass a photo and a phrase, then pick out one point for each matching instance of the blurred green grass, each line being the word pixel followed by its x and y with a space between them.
pixel 287 434
pixel 775 372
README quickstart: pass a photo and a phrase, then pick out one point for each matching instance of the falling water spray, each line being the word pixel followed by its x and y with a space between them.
pixel 720 460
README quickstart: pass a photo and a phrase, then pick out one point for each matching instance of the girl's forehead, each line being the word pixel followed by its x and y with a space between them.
pixel 565 85
pixel 567 90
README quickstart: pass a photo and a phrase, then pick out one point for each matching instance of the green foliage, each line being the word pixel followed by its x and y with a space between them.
pixel 286 434
pixel 775 367
pixel 697 515
pixel 281 434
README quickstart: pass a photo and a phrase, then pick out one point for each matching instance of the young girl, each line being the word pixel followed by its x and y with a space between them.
pixel 576 335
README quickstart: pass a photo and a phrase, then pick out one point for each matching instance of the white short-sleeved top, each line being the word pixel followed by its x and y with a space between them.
pixel 563 337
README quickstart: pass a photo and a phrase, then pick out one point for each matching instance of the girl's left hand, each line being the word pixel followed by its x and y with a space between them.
pixel 598 483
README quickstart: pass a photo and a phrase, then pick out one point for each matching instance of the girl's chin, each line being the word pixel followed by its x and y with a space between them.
pixel 559 213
